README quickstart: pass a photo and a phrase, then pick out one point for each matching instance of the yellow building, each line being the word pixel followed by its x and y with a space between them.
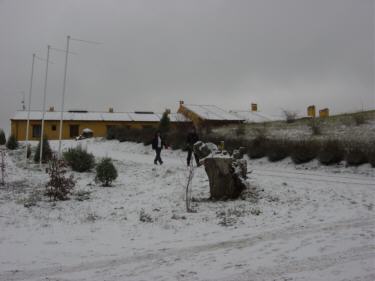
pixel 324 112
pixel 311 111
pixel 74 122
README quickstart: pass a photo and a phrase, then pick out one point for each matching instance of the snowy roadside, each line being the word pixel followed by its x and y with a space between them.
pixel 309 223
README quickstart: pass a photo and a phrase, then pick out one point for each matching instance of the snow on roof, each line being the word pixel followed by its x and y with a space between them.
pixel 98 116
pixel 253 116
pixel 212 112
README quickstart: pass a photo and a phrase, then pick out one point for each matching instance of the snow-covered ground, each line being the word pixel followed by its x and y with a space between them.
pixel 308 223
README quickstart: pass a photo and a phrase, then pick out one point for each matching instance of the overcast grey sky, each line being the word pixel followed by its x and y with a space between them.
pixel 282 54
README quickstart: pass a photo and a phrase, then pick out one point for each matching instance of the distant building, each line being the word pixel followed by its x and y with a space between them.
pixel 75 122
pixel 99 123
pixel 252 116
pixel 202 115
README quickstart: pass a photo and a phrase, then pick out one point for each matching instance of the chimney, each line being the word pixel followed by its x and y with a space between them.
pixel 110 110
pixel 51 108
pixel 254 107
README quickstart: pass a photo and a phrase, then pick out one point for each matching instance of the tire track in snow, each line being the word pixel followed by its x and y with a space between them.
pixel 366 252
pixel 153 257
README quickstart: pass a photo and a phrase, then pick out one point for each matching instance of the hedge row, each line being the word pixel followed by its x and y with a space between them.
pixel 328 152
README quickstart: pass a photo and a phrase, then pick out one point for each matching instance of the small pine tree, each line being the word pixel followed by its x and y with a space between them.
pixel 47 152
pixel 12 142
pixel 3 139
pixel 79 159
pixel 165 123
pixel 59 186
pixel 105 172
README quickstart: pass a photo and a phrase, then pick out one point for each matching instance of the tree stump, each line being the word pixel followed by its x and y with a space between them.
pixel 226 175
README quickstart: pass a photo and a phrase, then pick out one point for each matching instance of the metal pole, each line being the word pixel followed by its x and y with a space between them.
pixel 29 105
pixel 44 107
pixel 63 96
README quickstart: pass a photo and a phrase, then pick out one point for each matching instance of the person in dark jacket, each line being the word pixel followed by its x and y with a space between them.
pixel 157 145
pixel 191 139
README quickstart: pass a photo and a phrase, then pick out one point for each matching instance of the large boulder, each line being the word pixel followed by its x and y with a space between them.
pixel 226 175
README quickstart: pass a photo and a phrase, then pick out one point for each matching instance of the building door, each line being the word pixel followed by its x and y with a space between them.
pixel 37 129
pixel 74 131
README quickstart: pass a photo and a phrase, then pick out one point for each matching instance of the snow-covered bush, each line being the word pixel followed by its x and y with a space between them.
pixel 12 142
pixel 46 154
pixel 106 172
pixel 58 186
pixel 79 159
pixel 277 150
pixel 2 137
pixel 304 151
pixel 331 152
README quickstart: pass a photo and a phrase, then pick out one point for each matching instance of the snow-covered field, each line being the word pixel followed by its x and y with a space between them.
pixel 308 223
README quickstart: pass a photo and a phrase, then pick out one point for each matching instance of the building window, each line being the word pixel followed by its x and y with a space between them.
pixel 53 127
pixel 74 131
pixel 37 129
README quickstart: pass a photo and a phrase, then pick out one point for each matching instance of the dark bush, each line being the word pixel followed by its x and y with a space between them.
pixel 2 137
pixel 165 123
pixel 79 159
pixel 359 118
pixel 58 186
pixel 315 126
pixel 371 154
pixel 46 154
pixel 231 144
pixel 105 172
pixel 12 142
pixel 277 150
pixel 28 151
pixel 331 152
pixel 122 134
pixel 355 155
pixel 257 147
pixel 290 116
pixel 304 151
pixel 241 130
pixel 176 139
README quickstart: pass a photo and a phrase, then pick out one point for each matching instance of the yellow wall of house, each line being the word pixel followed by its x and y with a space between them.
pixel 99 128
pixel 197 121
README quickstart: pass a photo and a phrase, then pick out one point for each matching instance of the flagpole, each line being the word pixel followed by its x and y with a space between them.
pixel 29 105
pixel 63 95
pixel 44 108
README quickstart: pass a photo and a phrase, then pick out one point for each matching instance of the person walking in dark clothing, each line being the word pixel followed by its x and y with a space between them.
pixel 157 145
pixel 191 139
